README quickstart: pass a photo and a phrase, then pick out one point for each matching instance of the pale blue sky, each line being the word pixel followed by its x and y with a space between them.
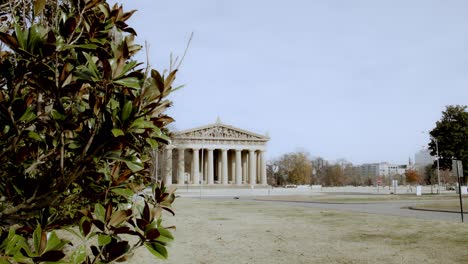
pixel 346 79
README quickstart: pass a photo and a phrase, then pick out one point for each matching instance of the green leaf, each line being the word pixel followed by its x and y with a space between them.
pixel 123 192
pixel 157 249
pixel 134 166
pixel 152 142
pixel 89 46
pixel 28 115
pixel 56 115
pixel 74 145
pixel 104 239
pixel 34 135
pixel 117 132
pixel 142 123
pixel 127 110
pixel 20 35
pixel 165 236
pixel 37 235
pixel 131 82
pixel 79 255
pixel 54 242
pixel 100 212
pixel 92 67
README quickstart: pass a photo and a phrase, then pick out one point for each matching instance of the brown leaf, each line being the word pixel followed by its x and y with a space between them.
pixel 117 218
pixel 9 40
pixel 39 5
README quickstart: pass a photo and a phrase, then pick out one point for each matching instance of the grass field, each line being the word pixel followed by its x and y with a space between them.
pixel 238 231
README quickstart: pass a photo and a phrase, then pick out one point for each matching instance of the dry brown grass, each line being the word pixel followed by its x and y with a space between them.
pixel 237 231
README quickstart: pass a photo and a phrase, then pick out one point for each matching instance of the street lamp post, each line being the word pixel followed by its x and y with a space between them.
pixel 438 173
pixel 437 156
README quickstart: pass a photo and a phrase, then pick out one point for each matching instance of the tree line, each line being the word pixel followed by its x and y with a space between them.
pixel 449 141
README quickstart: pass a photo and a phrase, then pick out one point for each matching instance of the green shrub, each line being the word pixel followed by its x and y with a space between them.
pixel 78 116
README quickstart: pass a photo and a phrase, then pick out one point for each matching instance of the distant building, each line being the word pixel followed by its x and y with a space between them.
pixel 423 158
pixel 384 169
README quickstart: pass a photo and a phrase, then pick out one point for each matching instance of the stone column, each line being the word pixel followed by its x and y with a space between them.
pixel 224 171
pixel 238 167
pixel 210 167
pixel 168 178
pixel 263 168
pixel 195 167
pixel 252 167
pixel 219 165
pixel 245 170
pixel 181 166
pixel 232 163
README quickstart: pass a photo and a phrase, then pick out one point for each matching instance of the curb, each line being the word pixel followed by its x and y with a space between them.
pixel 432 210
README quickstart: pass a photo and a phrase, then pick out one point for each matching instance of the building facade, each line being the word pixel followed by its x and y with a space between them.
pixel 383 169
pixel 216 154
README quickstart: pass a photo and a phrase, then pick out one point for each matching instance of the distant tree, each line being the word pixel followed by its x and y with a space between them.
pixel 447 177
pixel 430 175
pixel 295 168
pixel 271 174
pixel 413 177
pixel 319 167
pixel 334 175
pixel 451 133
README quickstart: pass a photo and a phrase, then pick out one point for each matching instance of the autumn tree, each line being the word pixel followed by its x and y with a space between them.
pixel 294 168
pixel 413 177
pixel 451 134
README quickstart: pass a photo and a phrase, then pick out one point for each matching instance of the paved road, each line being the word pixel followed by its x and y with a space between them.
pixel 395 208
pixel 385 208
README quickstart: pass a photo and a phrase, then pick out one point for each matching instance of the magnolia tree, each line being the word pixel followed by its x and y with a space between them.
pixel 78 117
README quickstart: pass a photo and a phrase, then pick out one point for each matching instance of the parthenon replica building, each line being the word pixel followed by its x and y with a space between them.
pixel 216 154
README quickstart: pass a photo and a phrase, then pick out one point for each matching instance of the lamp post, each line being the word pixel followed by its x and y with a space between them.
pixel 438 173
pixel 437 156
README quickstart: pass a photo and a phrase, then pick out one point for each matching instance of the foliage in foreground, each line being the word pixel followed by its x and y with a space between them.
pixel 77 118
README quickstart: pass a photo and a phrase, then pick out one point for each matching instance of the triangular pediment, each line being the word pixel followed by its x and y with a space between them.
pixel 219 131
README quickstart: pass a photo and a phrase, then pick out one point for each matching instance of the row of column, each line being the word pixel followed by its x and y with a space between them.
pixel 240 173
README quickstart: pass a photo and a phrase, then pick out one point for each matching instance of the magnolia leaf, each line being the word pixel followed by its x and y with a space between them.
pixel 123 192
pixel 130 82
pixel 79 255
pixel 104 239
pixel 100 212
pixel 39 5
pixel 54 242
pixel 135 165
pixel 56 115
pixel 152 142
pixel 74 145
pixel 117 132
pixel 9 40
pixel 127 110
pixel 157 249
pixel 28 115
pixel 117 218
pixel 20 36
pixel 34 135
pixel 165 235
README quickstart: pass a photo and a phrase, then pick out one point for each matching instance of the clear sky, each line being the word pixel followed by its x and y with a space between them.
pixel 349 79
